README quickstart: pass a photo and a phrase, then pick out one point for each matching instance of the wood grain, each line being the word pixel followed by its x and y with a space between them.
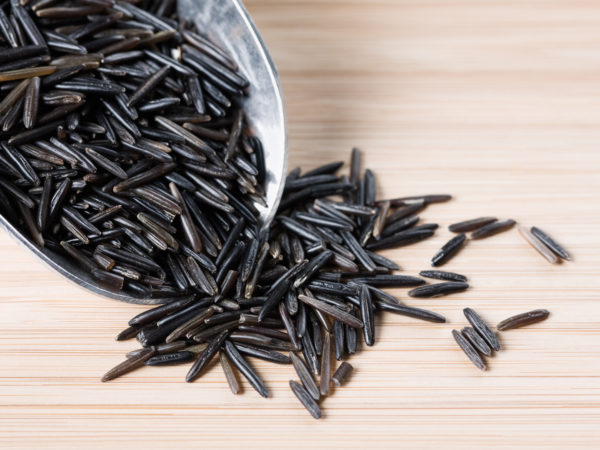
pixel 497 103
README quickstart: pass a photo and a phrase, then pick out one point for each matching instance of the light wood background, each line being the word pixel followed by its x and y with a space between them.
pixel 497 103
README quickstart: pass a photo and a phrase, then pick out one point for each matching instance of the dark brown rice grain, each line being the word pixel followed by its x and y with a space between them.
pixel 523 319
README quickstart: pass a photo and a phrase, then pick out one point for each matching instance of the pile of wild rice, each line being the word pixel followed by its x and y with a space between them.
pixel 312 285
pixel 119 155
pixel 124 148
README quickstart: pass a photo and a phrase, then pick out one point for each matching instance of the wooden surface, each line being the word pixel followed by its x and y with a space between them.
pixel 497 103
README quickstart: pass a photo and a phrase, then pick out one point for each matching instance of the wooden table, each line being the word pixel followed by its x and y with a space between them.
pixel 497 103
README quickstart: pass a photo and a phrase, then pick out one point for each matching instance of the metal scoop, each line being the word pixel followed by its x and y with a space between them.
pixel 228 24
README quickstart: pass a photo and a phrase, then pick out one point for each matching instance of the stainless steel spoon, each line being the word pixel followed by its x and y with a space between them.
pixel 229 25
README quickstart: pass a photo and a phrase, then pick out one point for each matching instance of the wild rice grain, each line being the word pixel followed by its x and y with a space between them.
pixel 13 96
pixel 493 228
pixel 416 313
pixel 289 325
pixel 442 275
pixel 305 376
pixel 342 374
pixel 385 280
pixel 471 224
pixel 332 311
pixel 538 245
pixel 477 341
pixel 521 320
pixel 325 379
pixel 482 328
pixel 366 312
pixel 310 354
pixel 245 369
pixel 551 243
pixel 206 356
pixel 381 218
pixel 449 250
pixel 129 364
pixel 339 339
pixel 403 238
pixel 29 72
pixel 426 199
pixel 229 372
pixel 406 211
pixel 264 354
pixel 471 353
pixel 30 107
pixel 438 289
pixel 307 401
pixel 400 225
pixel 170 359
